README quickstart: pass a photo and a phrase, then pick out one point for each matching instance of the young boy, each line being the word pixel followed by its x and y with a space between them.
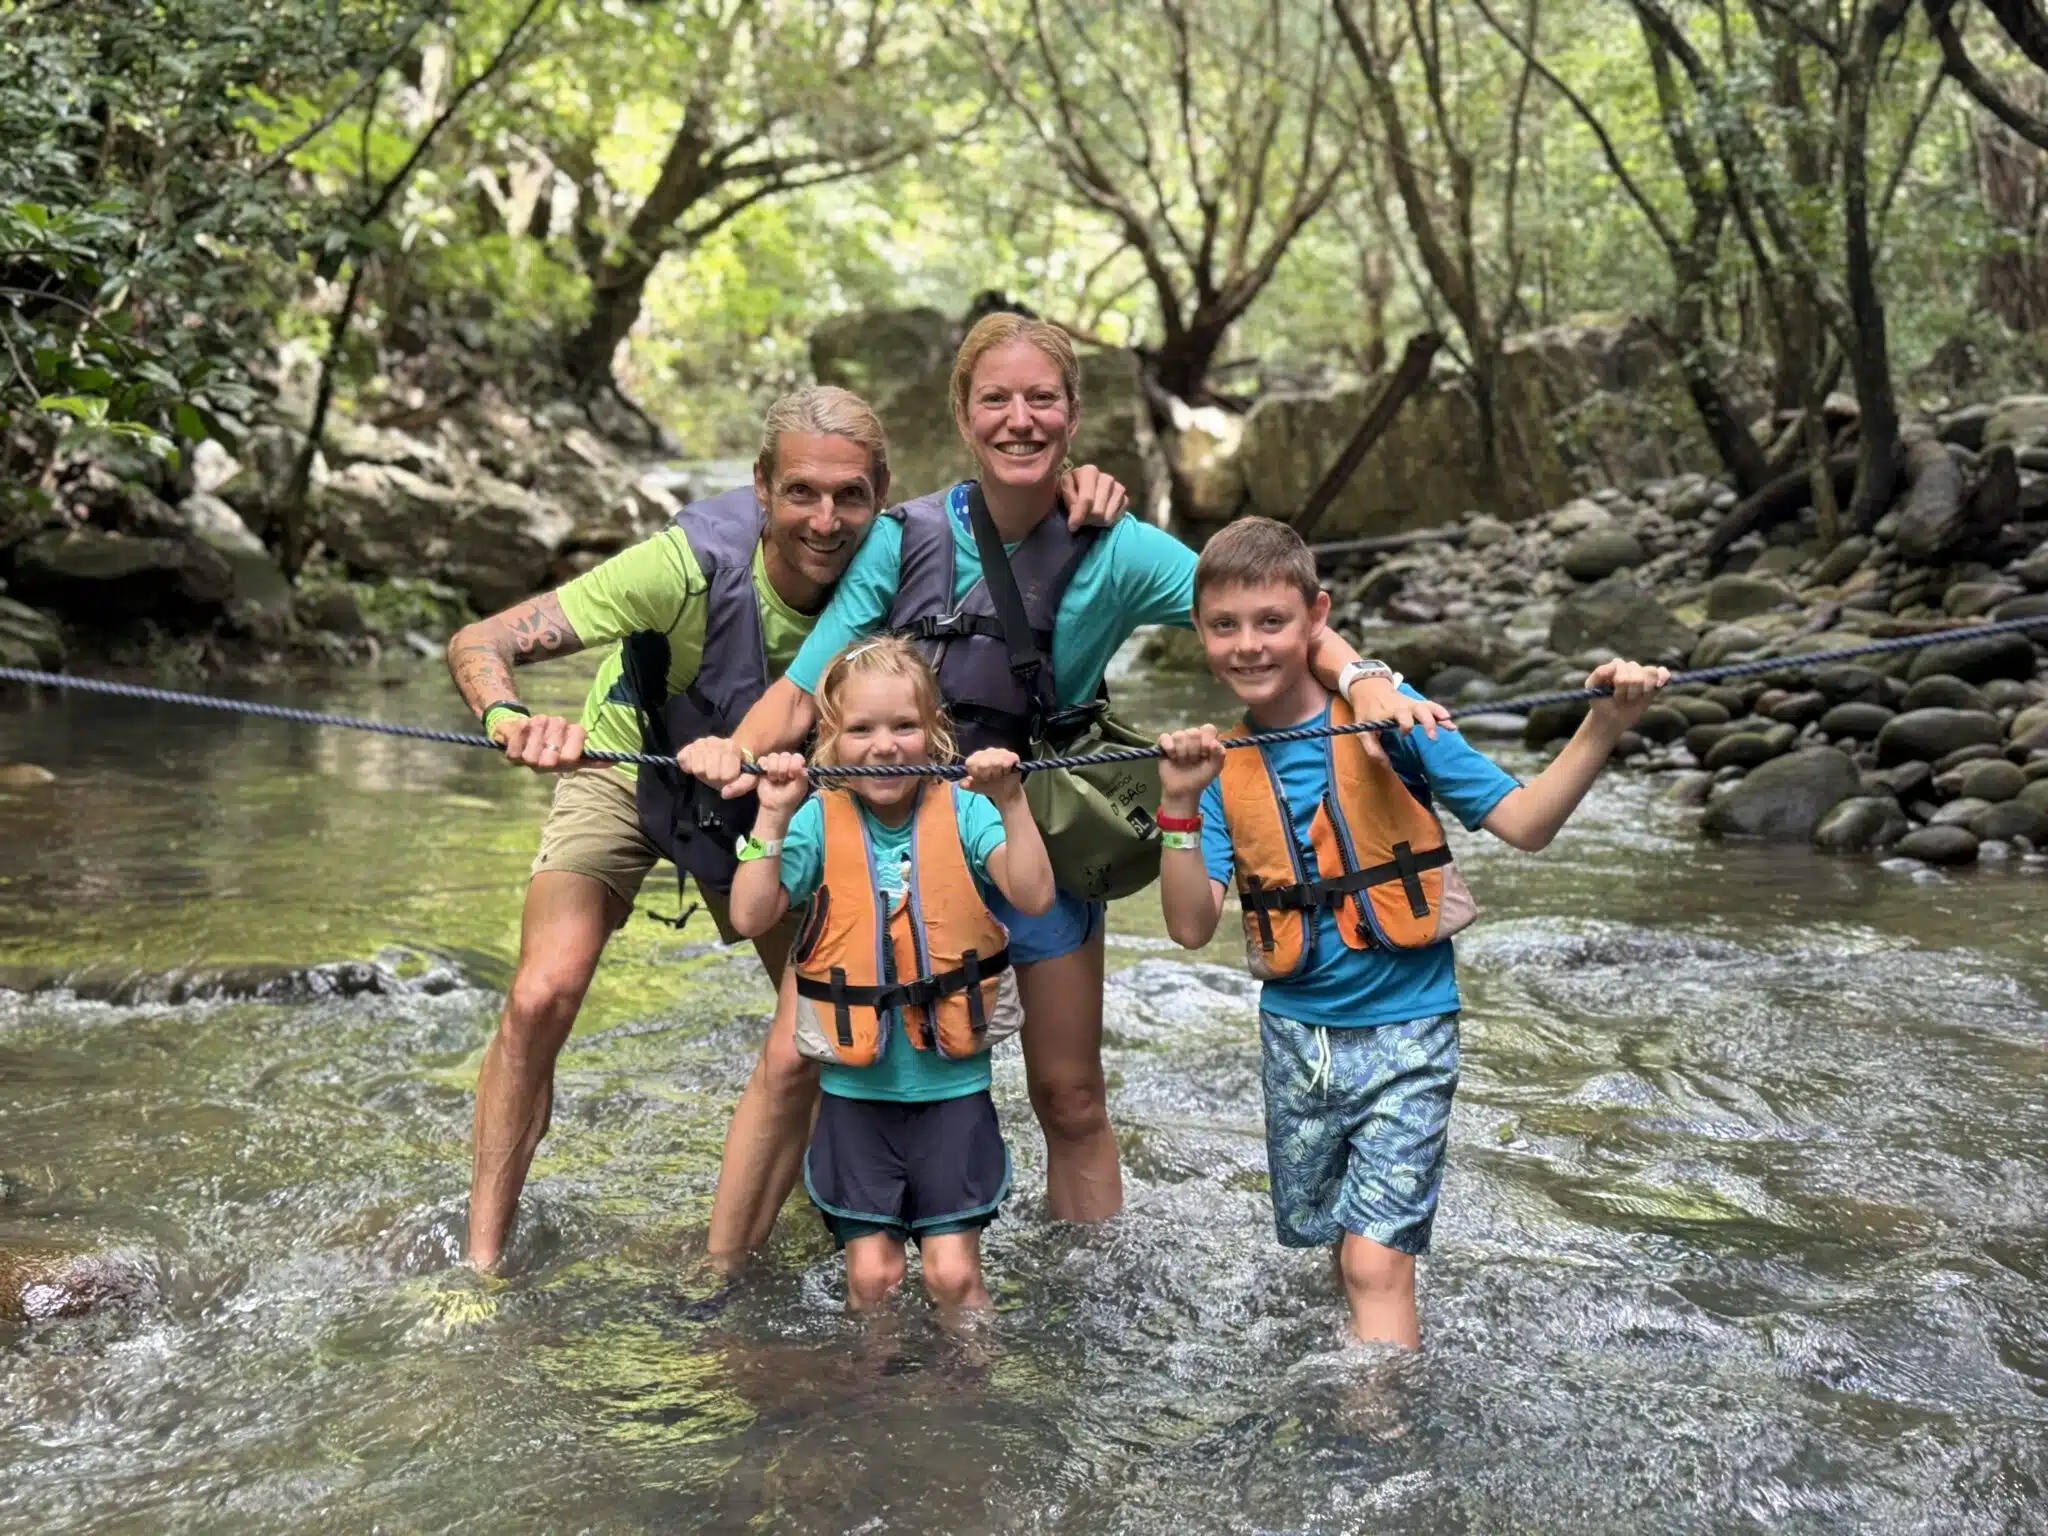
pixel 1350 898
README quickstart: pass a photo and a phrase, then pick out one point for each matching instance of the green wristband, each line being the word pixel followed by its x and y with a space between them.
pixel 498 712
pixel 1185 841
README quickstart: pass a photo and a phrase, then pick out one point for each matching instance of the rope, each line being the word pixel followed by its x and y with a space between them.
pixel 1520 705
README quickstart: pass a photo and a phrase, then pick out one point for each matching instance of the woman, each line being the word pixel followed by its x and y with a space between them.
pixel 1016 401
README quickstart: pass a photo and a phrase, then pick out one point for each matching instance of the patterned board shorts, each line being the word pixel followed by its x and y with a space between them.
pixel 1356 1125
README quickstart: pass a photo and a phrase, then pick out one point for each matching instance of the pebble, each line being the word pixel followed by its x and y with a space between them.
pixel 24 776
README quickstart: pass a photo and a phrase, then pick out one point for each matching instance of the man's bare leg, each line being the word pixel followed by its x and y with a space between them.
pixel 562 931
pixel 764 1145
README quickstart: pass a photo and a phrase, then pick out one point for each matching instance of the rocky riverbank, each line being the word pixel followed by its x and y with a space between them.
pixel 417 518
pixel 1938 755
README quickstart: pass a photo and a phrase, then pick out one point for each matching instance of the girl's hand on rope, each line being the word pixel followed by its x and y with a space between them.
pixel 544 743
pixel 1092 498
pixel 1634 685
pixel 1190 761
pixel 783 783
pixel 993 772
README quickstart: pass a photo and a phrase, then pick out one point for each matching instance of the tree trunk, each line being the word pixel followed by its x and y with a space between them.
pixel 614 309
pixel 1869 349
pixel 1181 365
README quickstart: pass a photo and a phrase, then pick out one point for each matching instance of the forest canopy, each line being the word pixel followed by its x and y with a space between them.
pixel 658 201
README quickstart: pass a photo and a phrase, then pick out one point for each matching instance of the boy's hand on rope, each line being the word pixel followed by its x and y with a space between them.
pixel 544 743
pixel 1634 685
pixel 1189 763
pixel 993 772
pixel 784 782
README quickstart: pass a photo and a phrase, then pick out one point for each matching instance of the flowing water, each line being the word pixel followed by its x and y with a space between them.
pixel 1746 1224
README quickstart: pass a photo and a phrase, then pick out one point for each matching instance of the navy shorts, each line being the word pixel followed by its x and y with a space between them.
pixel 911 1170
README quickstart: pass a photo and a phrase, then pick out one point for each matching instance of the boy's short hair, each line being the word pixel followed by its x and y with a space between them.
pixel 1254 551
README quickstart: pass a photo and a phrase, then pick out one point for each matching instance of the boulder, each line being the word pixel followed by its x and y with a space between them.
pixel 1978 660
pixel 1975 752
pixel 1938 845
pixel 1901 783
pixel 1785 799
pixel 1992 780
pixel 1957 813
pixel 257 487
pixel 38 1282
pixel 1600 552
pixel 1662 723
pixel 487 537
pixel 1551 722
pixel 2033 571
pixel 179 581
pixel 25 776
pixel 1965 428
pixel 2035 794
pixel 1423 650
pixel 2033 605
pixel 2009 819
pixel 1581 515
pixel 2021 420
pixel 1844 682
pixel 1798 709
pixel 1941 691
pixel 2029 720
pixel 1856 722
pixel 1697 709
pixel 214 522
pixel 1206 465
pixel 1483 532
pixel 1840 561
pixel 901 363
pixel 1741 597
pixel 1622 616
pixel 1969 599
pixel 1690 788
pixel 28 638
pixel 1861 823
pixel 1927 734
pixel 1743 749
pixel 1725 643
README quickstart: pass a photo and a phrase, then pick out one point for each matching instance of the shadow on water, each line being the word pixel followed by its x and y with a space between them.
pixel 1745 1223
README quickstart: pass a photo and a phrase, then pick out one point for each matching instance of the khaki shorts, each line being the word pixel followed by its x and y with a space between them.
pixel 593 829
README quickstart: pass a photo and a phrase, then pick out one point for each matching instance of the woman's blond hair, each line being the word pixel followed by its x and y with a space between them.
pixel 999 330
pixel 883 656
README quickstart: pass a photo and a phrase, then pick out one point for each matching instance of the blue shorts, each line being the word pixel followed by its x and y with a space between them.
pixel 1061 929
pixel 1356 1125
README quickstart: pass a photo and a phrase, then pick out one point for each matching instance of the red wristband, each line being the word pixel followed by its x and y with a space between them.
pixel 1167 823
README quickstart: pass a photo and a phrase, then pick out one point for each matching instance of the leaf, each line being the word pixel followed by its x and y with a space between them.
pixel 189 422
pixel 88 409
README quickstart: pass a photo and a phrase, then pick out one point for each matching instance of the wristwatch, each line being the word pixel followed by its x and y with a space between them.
pixel 751 847
pixel 1358 671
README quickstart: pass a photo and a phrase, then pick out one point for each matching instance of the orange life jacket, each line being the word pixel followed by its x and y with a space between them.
pixel 1380 860
pixel 932 950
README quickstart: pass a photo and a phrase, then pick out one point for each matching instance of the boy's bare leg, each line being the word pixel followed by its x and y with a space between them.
pixel 1379 1287
pixel 952 1271
pixel 874 1268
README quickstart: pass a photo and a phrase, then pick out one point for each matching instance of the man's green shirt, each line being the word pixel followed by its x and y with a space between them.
pixel 657 585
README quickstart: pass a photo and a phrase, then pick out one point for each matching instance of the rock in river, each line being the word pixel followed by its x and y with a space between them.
pixel 1786 798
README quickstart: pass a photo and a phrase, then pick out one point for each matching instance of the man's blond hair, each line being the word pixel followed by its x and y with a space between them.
pixel 826 411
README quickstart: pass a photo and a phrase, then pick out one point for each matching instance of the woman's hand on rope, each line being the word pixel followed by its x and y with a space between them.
pixel 993 772
pixel 784 783
pixel 719 763
pixel 1634 685
pixel 1093 499
pixel 1189 763
pixel 544 743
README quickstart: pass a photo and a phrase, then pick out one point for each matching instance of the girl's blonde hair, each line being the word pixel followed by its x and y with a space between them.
pixel 883 656
pixel 999 330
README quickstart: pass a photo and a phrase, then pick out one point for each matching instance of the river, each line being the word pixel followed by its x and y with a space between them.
pixel 1746 1224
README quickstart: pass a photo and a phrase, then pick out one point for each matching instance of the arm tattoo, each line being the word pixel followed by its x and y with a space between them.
pixel 481 657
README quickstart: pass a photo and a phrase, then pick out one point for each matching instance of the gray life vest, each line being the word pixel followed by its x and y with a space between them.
pixel 995 698
pixel 681 815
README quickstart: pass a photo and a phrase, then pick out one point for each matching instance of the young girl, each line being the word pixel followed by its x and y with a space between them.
pixel 903 975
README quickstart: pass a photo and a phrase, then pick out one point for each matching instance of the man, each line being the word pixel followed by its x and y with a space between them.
pixel 822 474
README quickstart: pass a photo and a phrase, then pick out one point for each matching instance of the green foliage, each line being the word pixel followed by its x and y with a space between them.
pixel 139 225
